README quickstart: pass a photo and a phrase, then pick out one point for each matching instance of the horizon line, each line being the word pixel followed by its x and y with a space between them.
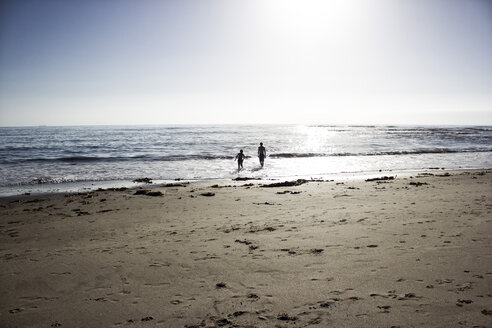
pixel 248 124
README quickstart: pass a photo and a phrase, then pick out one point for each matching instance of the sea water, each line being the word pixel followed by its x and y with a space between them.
pixel 37 159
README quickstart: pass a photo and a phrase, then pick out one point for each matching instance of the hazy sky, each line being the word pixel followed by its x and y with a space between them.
pixel 245 61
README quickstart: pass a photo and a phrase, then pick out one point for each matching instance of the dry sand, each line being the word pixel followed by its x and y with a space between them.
pixel 343 253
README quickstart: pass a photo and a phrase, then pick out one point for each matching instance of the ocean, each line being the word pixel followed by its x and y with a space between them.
pixel 74 158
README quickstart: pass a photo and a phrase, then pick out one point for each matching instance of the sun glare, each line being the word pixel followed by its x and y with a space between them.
pixel 310 17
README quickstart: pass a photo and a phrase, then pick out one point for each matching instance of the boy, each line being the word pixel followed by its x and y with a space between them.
pixel 240 158
pixel 261 154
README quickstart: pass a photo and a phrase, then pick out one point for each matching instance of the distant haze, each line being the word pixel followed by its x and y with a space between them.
pixel 245 61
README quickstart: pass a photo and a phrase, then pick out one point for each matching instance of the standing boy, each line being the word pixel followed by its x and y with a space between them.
pixel 261 154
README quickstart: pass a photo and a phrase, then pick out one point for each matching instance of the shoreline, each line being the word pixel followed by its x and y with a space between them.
pixel 410 251
pixel 75 187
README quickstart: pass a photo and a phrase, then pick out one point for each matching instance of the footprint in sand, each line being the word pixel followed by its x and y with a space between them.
pixel 16 310
pixel 286 317
pixel 221 285
pixel 461 302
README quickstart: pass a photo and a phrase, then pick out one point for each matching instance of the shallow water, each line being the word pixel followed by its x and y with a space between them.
pixel 33 156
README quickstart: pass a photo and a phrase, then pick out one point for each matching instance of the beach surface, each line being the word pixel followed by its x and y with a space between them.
pixel 408 250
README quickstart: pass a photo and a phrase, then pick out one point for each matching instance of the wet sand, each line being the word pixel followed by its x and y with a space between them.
pixel 405 252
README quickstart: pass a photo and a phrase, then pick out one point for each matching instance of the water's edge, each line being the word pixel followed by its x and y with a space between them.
pixel 91 186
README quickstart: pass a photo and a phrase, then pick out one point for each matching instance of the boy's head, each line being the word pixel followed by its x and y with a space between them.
pixel 241 151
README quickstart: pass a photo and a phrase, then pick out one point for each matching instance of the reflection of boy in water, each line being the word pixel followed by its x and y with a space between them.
pixel 261 154
pixel 240 158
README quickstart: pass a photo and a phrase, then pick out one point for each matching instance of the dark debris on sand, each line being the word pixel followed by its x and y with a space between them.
pixel 223 322
pixel 288 192
pixel 245 179
pixel 145 180
pixel 295 183
pixel 216 186
pixel 418 184
pixel 286 317
pixel 171 185
pixel 147 192
pixel 147 319
pixel 112 189
pixel 221 285
pixel 385 178
pixel 154 193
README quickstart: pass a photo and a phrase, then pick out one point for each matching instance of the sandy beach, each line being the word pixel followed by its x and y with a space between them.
pixel 411 250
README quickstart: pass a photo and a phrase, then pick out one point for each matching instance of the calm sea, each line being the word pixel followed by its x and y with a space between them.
pixel 66 158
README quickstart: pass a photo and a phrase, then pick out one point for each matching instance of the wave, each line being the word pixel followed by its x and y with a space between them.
pixel 49 180
pixel 381 153
pixel 188 157
pixel 89 159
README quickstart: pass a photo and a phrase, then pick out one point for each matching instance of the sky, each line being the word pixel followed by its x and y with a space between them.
pixel 245 62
